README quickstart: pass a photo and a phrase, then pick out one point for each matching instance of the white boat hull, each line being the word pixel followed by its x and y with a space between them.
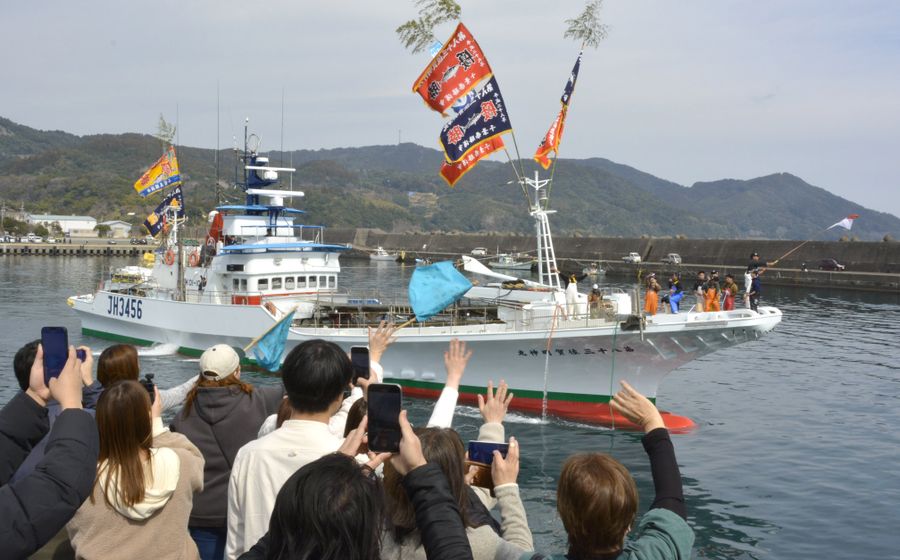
pixel 576 366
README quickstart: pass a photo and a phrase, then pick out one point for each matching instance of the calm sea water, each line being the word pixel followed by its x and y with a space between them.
pixel 797 454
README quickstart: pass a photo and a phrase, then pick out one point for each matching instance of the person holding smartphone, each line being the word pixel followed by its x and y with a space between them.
pixel 35 508
pixel 597 498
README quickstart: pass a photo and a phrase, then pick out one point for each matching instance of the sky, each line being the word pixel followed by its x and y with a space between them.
pixel 688 91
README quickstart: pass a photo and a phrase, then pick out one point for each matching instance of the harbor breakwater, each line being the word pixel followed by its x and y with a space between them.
pixel 869 265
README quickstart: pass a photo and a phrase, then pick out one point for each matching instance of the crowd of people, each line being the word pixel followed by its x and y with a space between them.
pixel 90 470
pixel 710 293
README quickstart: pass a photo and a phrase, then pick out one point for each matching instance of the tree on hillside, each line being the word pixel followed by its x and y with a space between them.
pixel 56 228
pixel 102 230
pixel 41 231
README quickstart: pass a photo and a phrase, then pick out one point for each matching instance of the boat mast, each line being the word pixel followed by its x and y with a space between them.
pixel 547 270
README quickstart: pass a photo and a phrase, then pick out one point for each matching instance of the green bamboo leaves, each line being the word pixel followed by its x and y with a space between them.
pixel 587 27
pixel 418 34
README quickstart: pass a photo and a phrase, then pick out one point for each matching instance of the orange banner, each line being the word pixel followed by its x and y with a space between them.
pixel 452 172
pixel 550 143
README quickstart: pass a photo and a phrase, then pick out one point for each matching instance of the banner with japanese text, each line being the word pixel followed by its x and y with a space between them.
pixel 157 219
pixel 551 140
pixel 164 173
pixel 454 71
pixel 483 118
pixel 452 172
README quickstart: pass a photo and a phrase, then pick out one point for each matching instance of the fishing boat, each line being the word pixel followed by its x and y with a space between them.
pixel 506 261
pixel 259 264
pixel 381 255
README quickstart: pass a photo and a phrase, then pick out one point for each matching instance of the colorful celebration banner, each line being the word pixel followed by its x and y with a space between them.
pixel 157 219
pixel 483 118
pixel 453 172
pixel 551 140
pixel 164 173
pixel 455 70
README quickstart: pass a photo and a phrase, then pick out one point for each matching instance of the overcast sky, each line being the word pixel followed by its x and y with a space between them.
pixel 688 91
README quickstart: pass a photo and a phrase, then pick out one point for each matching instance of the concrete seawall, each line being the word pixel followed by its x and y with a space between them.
pixel 75 249
pixel 870 265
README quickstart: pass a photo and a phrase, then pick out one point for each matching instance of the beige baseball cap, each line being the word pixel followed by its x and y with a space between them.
pixel 219 362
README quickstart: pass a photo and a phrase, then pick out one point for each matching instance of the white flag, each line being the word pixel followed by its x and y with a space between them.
pixel 846 223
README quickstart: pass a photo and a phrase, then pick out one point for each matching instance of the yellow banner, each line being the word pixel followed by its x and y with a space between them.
pixel 164 173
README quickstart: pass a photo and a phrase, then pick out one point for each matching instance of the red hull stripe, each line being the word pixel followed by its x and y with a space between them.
pixel 595 410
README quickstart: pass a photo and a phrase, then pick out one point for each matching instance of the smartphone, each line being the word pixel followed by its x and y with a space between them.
pixel 147 382
pixel 55 342
pixel 81 354
pixel 359 357
pixel 483 451
pixel 385 400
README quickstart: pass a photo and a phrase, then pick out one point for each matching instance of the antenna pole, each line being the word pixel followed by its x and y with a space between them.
pixel 281 157
pixel 218 188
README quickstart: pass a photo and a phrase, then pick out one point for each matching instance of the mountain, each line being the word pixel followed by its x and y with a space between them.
pixel 397 188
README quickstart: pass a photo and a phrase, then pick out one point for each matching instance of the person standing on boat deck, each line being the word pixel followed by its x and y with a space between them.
pixel 712 292
pixel 755 291
pixel 221 414
pixel 675 292
pixel 651 299
pixel 757 265
pixel 700 292
pixel 730 290
pixel 594 300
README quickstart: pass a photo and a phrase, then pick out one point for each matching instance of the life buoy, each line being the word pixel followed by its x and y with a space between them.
pixel 194 258
pixel 170 257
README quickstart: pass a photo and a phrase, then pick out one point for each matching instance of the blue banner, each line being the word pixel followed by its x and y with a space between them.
pixel 484 118
pixel 157 219
pixel 432 288
pixel 269 349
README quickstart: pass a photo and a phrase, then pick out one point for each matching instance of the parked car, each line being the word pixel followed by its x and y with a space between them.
pixel 830 264
pixel 633 258
pixel 51 240
pixel 672 258
pixel 138 241
pixel 479 252
pixel 111 242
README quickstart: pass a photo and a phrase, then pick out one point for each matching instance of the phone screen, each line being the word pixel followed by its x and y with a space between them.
pixel 385 400
pixel 483 451
pixel 55 342
pixel 359 357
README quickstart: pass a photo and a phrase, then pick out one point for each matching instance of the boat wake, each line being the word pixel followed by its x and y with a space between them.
pixel 164 349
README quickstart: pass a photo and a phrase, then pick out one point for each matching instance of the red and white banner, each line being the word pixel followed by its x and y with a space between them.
pixel 454 71
pixel 452 172
pixel 846 223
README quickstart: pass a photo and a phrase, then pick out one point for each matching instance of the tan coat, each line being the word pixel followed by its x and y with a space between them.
pixel 100 532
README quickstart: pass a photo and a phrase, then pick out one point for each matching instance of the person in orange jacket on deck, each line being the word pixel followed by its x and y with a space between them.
pixel 651 300
pixel 712 292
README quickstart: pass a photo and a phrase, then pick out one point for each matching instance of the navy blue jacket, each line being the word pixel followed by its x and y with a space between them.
pixel 35 508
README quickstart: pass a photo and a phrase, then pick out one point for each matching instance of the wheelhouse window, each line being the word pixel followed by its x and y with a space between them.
pixel 301 281
pixel 332 282
pixel 276 283
pixel 289 283
pixel 262 284
pixel 323 281
pixel 312 281
pixel 235 284
pixel 243 284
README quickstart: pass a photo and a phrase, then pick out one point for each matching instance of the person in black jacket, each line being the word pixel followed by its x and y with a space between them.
pixel 315 503
pixel 35 508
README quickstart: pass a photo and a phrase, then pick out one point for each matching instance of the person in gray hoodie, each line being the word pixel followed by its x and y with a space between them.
pixel 221 413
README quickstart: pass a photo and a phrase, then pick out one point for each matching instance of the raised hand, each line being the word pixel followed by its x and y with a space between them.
pixel 380 339
pixel 455 359
pixel 156 407
pixel 410 456
pixel 37 389
pixel 493 406
pixel 637 408
pixel 506 471
pixel 87 366
pixel 66 388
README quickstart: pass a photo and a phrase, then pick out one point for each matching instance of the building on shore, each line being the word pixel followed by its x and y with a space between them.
pixel 73 226
pixel 117 228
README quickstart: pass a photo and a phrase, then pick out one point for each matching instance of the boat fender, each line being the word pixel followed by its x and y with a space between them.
pixel 194 258
pixel 170 257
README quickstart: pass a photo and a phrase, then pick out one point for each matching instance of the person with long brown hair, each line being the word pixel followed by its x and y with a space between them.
pixel 119 362
pixel 146 479
pixel 221 413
